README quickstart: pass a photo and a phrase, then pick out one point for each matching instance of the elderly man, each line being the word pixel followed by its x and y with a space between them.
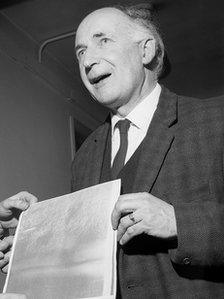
pixel 168 152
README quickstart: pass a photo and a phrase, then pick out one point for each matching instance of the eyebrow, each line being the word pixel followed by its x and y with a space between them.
pixel 97 35
pixel 81 46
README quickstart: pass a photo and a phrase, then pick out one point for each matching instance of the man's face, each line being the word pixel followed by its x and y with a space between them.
pixel 110 61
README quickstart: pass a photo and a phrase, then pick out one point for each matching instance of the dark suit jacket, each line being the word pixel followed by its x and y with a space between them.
pixel 180 161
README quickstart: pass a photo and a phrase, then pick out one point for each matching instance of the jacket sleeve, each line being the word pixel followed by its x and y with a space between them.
pixel 200 220
pixel 200 230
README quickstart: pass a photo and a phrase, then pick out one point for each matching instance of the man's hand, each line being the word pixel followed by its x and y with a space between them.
pixel 143 213
pixel 10 209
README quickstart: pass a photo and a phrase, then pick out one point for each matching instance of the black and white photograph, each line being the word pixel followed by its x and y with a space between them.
pixel 111 149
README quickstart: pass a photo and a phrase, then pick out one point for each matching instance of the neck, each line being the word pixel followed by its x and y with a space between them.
pixel 124 110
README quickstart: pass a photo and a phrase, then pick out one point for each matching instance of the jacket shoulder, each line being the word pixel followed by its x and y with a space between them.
pixel 188 106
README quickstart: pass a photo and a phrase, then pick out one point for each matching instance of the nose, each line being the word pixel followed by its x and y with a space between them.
pixel 91 58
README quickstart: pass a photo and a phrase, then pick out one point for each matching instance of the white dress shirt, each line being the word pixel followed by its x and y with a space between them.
pixel 140 118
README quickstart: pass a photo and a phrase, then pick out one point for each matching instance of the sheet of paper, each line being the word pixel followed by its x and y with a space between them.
pixel 65 247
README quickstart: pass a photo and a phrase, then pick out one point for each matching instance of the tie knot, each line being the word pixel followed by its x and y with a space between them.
pixel 123 125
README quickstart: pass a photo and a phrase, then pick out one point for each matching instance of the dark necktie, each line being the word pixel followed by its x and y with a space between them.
pixel 123 126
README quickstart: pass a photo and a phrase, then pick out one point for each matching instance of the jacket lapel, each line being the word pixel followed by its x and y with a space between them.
pixel 92 159
pixel 154 148
pixel 100 141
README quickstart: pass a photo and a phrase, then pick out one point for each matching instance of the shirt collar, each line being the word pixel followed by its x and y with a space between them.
pixel 142 114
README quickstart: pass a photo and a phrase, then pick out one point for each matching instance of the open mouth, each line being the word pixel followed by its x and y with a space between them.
pixel 99 78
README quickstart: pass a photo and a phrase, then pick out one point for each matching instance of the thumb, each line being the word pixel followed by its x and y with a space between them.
pixel 20 201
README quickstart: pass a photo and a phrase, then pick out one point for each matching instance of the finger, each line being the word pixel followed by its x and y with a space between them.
pixel 126 203
pixel 125 222
pixel 5 269
pixel 21 201
pixel 8 224
pixel 131 232
pixel 1 255
pixel 4 265
pixel 6 243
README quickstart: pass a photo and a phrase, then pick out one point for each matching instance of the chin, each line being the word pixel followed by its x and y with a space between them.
pixel 106 101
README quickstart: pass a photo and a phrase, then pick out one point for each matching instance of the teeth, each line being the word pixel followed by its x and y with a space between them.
pixel 99 78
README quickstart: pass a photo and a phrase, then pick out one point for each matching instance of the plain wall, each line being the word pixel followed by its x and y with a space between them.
pixel 34 134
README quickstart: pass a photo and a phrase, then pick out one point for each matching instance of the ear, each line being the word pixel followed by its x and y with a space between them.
pixel 148 50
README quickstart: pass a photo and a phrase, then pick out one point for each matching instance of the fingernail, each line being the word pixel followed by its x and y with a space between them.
pixel 6 258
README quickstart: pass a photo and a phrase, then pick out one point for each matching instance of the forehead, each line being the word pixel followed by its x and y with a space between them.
pixel 106 20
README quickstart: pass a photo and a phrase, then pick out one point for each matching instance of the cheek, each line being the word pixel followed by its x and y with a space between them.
pixel 84 78
pixel 130 63
pixel 86 83
pixel 82 73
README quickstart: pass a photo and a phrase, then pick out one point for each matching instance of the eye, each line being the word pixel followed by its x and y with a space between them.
pixel 104 40
pixel 80 53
